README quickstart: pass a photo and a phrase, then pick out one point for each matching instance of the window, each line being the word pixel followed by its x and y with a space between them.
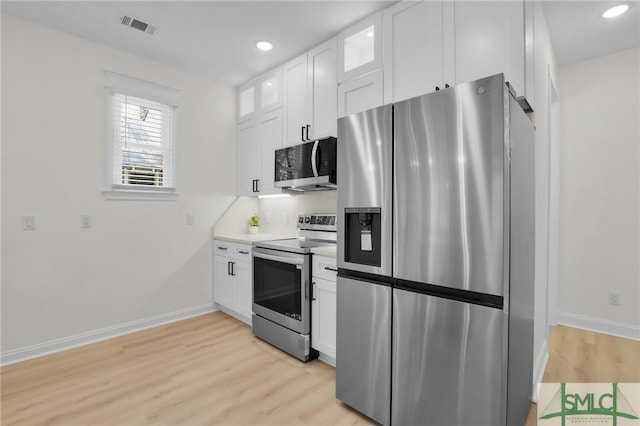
pixel 141 139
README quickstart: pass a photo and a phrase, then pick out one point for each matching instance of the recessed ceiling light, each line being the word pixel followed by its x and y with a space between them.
pixel 264 45
pixel 615 11
pixel 370 34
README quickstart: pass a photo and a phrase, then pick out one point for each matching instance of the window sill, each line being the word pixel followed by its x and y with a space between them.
pixel 141 195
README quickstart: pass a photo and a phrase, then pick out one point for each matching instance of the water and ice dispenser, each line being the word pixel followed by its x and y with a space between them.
pixel 363 236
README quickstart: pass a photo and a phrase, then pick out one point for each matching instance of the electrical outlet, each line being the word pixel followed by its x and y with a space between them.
pixel 85 221
pixel 190 219
pixel 614 298
pixel 28 222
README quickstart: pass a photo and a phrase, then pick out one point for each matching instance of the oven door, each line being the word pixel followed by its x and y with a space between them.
pixel 281 288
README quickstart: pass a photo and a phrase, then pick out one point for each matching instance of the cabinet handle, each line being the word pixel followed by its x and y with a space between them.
pixel 302 134
pixel 228 268
pixel 437 88
pixel 222 248
pixel 243 252
pixel 233 273
pixel 327 268
pixel 257 185
pixel 313 291
pixel 308 126
pixel 446 86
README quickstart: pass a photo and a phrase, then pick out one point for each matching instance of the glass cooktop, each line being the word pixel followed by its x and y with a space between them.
pixel 294 245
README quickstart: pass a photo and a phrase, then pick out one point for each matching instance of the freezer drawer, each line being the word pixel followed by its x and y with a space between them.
pixel 448 362
pixel 363 347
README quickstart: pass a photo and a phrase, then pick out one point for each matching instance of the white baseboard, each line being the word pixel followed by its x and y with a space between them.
pixel 327 359
pixel 538 369
pixel 58 345
pixel 627 331
pixel 236 315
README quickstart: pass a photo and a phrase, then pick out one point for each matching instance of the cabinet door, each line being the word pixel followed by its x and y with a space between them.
pixel 360 48
pixel 270 87
pixel 247 101
pixel 243 291
pixel 270 140
pixel 323 89
pixel 323 333
pixel 490 39
pixel 248 157
pixel 412 49
pixel 296 101
pixel 360 94
pixel 223 283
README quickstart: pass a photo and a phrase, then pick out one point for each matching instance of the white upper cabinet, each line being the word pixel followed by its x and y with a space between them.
pixel 432 45
pixel 260 95
pixel 360 93
pixel 296 103
pixel 413 49
pixel 248 157
pixel 360 48
pixel 246 101
pixel 258 139
pixel 490 39
pixel 270 141
pixel 323 89
pixel 310 95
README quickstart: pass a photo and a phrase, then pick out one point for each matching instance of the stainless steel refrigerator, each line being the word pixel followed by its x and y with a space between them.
pixel 436 259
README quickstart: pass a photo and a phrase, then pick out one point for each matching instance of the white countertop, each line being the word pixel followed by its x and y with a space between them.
pixel 324 251
pixel 249 238
pixel 254 238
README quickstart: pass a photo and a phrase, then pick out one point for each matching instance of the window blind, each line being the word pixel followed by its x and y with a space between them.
pixel 143 145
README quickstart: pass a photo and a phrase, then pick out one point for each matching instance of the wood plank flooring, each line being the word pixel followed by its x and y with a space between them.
pixel 211 370
pixel 580 356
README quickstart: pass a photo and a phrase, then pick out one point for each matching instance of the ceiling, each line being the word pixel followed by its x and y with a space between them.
pixel 578 31
pixel 216 39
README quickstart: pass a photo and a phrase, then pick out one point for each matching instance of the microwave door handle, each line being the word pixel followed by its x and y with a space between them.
pixel 314 154
pixel 289 260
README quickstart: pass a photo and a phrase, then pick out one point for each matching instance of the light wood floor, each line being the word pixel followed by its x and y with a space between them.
pixel 580 356
pixel 212 370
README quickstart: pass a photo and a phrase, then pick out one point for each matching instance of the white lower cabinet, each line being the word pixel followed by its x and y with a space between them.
pixel 323 308
pixel 232 290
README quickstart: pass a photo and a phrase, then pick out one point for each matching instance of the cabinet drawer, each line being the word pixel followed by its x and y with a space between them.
pixel 324 267
pixel 241 252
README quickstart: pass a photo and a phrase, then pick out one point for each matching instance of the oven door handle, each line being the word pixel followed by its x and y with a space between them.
pixel 289 260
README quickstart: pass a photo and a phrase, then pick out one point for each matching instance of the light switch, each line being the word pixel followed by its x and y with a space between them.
pixel 85 221
pixel 28 222
pixel 190 219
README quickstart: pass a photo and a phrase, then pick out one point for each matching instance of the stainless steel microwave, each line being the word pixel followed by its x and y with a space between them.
pixel 310 166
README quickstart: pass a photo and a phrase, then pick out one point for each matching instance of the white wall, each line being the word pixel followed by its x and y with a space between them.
pixel 544 60
pixel 600 191
pixel 279 215
pixel 140 259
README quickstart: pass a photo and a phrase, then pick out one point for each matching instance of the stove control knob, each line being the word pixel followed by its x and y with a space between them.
pixel 307 219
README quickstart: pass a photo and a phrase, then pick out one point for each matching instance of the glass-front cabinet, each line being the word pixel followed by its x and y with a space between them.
pixel 360 48
pixel 260 95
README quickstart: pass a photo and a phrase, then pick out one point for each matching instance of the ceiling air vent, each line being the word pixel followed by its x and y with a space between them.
pixel 138 24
